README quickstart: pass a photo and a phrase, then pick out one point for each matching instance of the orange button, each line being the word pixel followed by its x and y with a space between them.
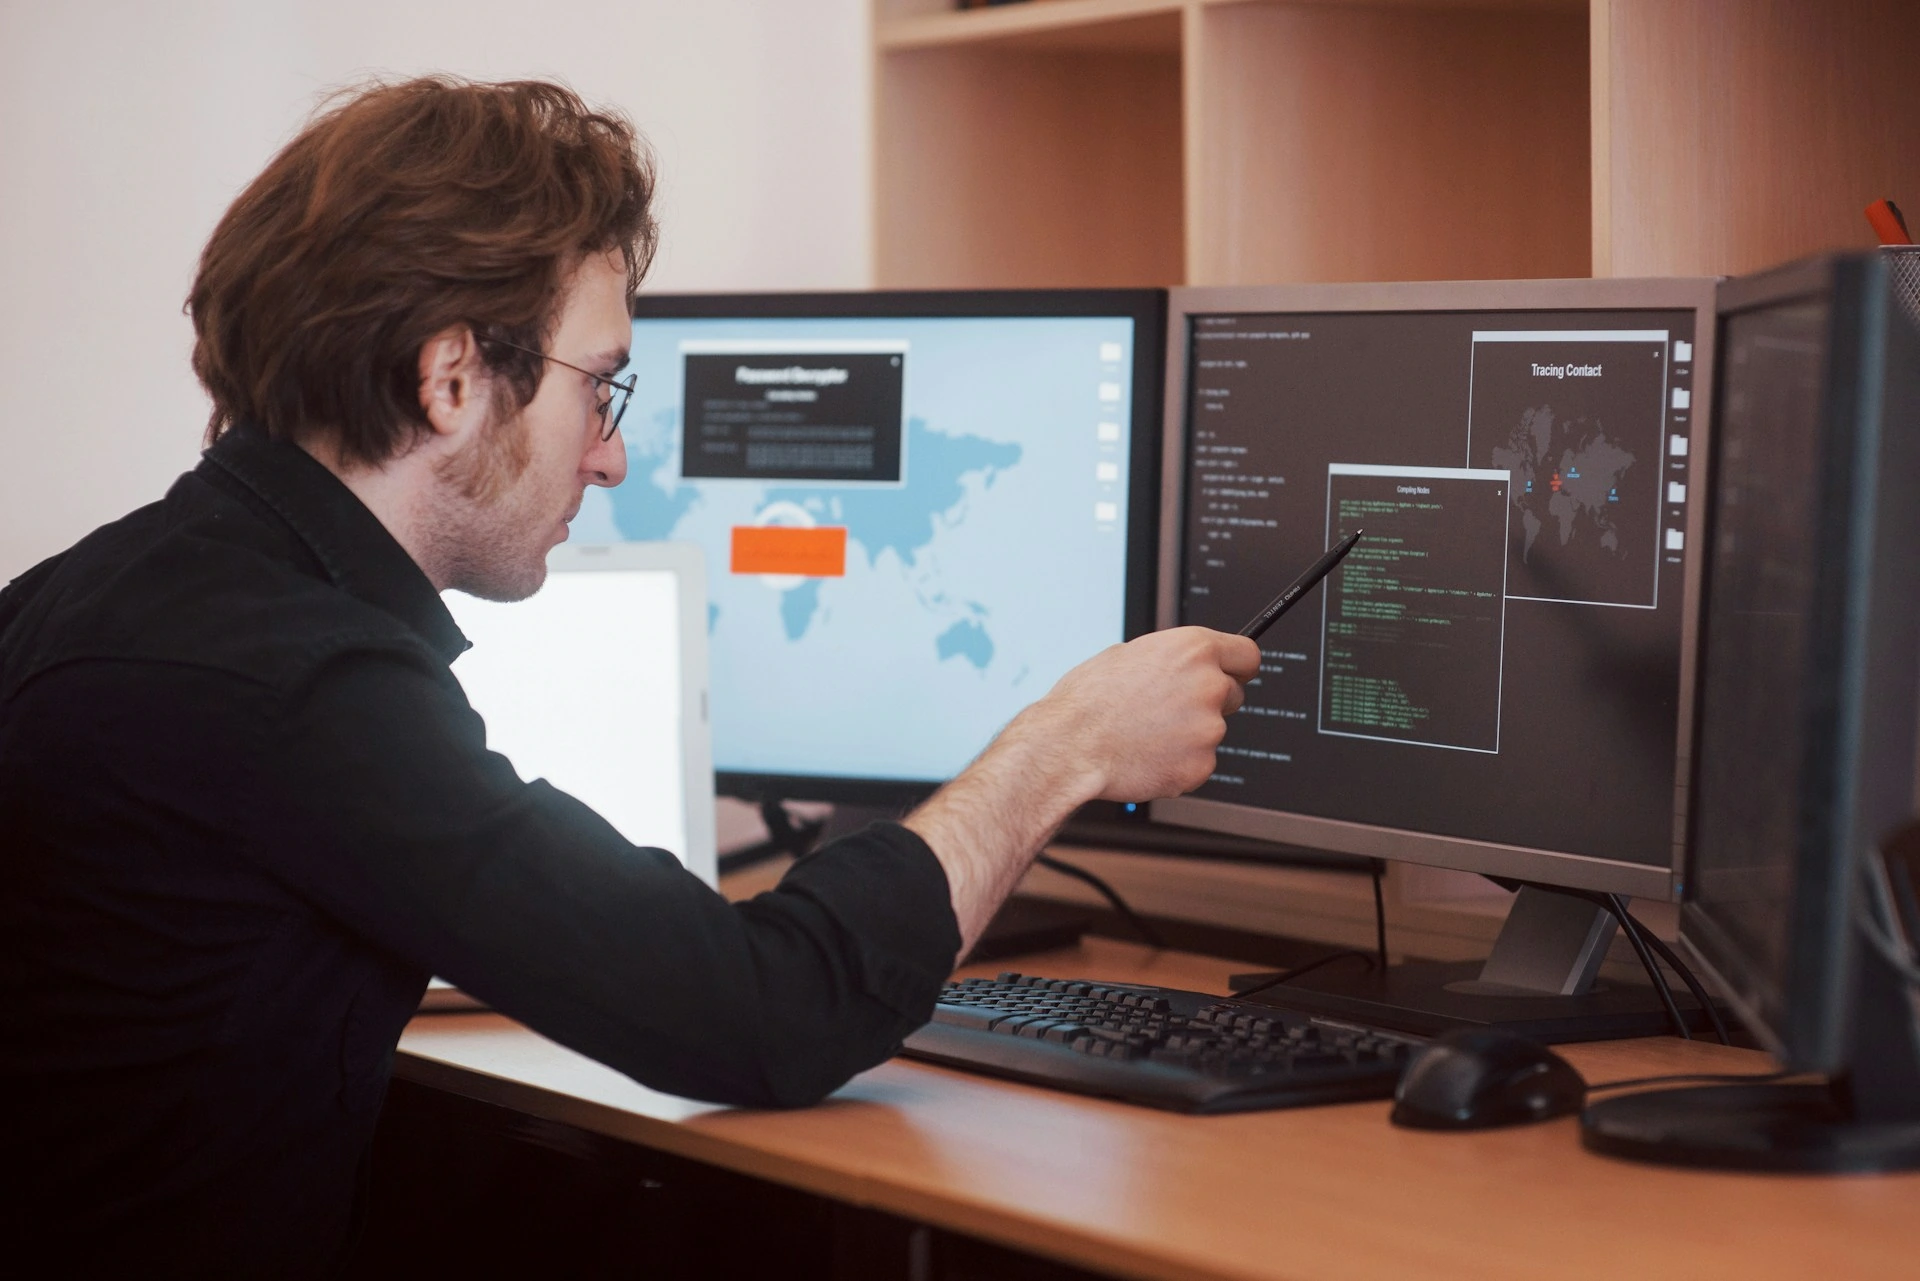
pixel 818 551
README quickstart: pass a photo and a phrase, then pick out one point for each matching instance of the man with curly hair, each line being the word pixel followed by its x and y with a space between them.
pixel 245 810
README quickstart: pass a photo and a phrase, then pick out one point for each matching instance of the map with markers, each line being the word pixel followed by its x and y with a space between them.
pixel 901 622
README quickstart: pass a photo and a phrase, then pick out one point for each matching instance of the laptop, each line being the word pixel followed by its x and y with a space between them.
pixel 598 684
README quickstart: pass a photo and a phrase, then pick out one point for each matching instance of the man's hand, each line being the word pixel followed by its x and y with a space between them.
pixel 1135 722
pixel 1148 715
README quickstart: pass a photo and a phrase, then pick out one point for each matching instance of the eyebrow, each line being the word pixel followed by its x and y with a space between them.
pixel 611 360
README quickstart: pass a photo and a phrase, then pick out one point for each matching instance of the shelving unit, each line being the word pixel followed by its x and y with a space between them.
pixel 1125 142
pixel 1158 142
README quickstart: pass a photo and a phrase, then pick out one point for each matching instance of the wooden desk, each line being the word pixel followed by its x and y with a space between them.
pixel 1309 1193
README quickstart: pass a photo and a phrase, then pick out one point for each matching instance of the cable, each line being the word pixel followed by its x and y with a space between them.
pixel 1695 1078
pixel 1379 914
pixel 1148 935
pixel 1616 905
pixel 1288 976
pixel 1377 959
pixel 1686 976
pixel 1641 938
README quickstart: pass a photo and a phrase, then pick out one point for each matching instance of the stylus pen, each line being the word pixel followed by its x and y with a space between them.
pixel 1301 586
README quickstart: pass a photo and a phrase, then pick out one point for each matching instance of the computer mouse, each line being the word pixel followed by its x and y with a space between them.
pixel 1478 1078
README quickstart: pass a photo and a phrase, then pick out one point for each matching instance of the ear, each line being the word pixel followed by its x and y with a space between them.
pixel 453 382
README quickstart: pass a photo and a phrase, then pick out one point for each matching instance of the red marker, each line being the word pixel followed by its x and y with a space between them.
pixel 1888 224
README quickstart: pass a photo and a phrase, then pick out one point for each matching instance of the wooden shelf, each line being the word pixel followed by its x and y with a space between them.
pixel 1112 142
pixel 1728 138
pixel 1101 25
pixel 920 24
pixel 1030 162
pixel 1341 142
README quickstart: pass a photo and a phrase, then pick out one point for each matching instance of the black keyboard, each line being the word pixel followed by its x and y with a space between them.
pixel 1184 1051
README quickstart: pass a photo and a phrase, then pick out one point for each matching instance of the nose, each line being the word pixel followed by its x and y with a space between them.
pixel 606 462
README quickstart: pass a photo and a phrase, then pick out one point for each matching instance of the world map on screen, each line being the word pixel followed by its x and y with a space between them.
pixel 994 564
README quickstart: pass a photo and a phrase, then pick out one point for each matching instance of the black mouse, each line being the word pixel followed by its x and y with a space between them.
pixel 1479 1078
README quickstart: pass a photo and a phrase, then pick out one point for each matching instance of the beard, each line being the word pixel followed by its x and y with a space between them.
pixel 489 520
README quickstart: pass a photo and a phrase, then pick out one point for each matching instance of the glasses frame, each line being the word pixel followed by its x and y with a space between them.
pixel 609 415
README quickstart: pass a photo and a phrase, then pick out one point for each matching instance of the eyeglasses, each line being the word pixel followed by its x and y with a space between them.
pixel 618 393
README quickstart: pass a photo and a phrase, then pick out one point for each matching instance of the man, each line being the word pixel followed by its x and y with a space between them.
pixel 247 811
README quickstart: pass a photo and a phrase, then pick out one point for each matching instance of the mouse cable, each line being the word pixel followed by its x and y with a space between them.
pixel 1288 976
pixel 1148 935
pixel 1696 1078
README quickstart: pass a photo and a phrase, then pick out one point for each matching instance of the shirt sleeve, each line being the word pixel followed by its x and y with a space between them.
pixel 392 816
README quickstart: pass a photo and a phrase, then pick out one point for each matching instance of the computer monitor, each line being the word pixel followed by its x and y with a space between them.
pixel 918 511
pixel 1497 679
pixel 1806 712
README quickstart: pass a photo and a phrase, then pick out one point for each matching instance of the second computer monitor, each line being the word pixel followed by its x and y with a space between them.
pixel 918 509
pixel 1495 680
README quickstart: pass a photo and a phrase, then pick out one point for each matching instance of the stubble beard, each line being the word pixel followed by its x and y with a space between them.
pixel 489 531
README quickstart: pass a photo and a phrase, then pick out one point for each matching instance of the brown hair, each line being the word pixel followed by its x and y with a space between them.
pixel 399 211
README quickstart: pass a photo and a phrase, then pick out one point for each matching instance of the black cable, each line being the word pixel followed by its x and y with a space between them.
pixel 1695 1078
pixel 1640 937
pixel 1288 976
pixel 1617 906
pixel 1613 905
pixel 1148 935
pixel 1379 915
pixel 1686 976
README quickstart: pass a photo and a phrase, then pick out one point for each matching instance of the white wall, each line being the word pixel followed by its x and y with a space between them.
pixel 127 127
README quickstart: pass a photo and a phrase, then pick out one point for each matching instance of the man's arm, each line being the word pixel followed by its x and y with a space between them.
pixel 379 803
pixel 1136 722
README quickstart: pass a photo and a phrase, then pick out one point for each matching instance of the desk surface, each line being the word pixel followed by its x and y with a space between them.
pixel 1308 1193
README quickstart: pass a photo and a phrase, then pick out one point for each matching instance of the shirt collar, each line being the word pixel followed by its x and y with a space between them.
pixel 353 547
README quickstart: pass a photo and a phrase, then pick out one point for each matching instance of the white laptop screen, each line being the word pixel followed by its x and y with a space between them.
pixel 581 685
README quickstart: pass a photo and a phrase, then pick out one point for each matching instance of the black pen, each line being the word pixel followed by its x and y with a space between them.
pixel 1301 586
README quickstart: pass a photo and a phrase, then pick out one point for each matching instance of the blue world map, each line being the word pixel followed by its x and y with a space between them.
pixel 903 519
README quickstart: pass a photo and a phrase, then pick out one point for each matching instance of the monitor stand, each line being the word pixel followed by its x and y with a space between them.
pixel 785 839
pixel 1541 981
pixel 1864 1121
pixel 1021 927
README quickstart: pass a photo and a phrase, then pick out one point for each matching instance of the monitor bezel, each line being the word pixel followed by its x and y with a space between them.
pixel 1852 676
pixel 1147 308
pixel 1578 871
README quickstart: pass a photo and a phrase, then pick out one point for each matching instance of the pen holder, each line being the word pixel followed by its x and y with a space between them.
pixel 1903 275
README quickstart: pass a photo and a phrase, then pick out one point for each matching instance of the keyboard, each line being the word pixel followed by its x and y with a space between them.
pixel 1165 1048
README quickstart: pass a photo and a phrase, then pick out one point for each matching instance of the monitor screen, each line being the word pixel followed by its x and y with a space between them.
pixel 1762 586
pixel 1492 680
pixel 1811 624
pixel 918 512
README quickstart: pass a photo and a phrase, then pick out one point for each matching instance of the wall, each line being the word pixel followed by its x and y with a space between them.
pixel 126 128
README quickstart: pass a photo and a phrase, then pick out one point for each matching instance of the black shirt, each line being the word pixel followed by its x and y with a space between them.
pixel 245 811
